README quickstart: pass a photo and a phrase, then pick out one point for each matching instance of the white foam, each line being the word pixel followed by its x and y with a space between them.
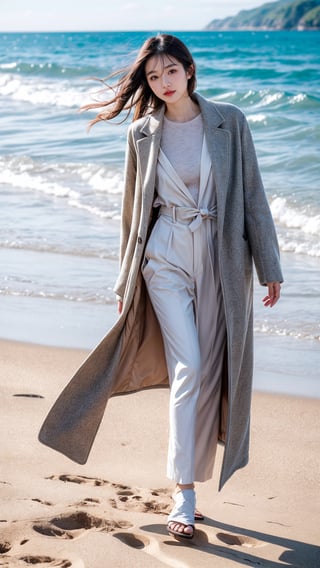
pixel 93 209
pixel 298 98
pixel 257 118
pixel 44 92
pixel 8 65
pixel 299 332
pixel 86 297
pixel 298 231
pixel 90 181
pixel 269 98
pixel 291 217
pixel 227 95
pixel 290 244
pixel 249 94
pixel 23 172
pixel 30 180
pixel 102 179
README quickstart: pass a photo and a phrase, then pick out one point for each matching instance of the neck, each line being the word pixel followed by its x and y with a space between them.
pixel 182 111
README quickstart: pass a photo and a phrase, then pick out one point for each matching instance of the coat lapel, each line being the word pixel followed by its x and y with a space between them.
pixel 148 147
pixel 218 143
pixel 205 170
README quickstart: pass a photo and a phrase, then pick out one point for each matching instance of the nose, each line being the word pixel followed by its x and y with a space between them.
pixel 165 80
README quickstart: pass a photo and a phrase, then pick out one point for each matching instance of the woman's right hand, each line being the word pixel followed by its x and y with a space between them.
pixel 120 304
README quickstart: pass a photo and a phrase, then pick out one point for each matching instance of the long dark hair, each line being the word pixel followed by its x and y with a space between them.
pixel 131 91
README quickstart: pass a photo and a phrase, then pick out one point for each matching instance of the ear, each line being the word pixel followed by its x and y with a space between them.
pixel 190 72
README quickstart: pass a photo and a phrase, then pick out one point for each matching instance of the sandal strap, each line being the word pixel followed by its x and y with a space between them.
pixel 184 507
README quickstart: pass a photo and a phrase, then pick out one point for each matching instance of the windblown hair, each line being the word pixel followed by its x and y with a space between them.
pixel 131 91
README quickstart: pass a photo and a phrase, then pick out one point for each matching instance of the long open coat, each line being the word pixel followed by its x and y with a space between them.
pixel 131 357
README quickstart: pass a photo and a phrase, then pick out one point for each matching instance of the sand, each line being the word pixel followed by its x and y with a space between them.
pixel 112 511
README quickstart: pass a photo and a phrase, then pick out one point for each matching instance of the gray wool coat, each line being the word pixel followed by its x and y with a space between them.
pixel 131 357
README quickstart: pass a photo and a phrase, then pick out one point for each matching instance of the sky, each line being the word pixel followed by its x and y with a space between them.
pixel 89 15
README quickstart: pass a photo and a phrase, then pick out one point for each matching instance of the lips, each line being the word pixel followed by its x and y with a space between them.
pixel 169 93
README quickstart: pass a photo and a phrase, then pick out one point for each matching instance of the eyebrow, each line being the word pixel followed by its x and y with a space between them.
pixel 164 67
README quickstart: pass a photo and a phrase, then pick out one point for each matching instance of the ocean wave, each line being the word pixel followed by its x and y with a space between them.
pixel 94 210
pixel 49 69
pixel 65 248
pixel 298 227
pixel 84 297
pixel 291 217
pixel 268 99
pixel 294 244
pixel 299 330
pixel 257 118
pixel 73 91
pixel 97 191
pixel 303 331
pixel 12 65
pixel 43 91
pixel 55 179
pixel 102 179
pixel 258 72
pixel 25 173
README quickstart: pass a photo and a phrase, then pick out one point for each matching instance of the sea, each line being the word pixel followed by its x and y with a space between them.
pixel 61 184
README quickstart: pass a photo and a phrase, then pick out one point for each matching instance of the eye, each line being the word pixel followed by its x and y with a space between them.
pixel 171 71
pixel 153 77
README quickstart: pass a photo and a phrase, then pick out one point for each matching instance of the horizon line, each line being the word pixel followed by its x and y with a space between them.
pixel 152 30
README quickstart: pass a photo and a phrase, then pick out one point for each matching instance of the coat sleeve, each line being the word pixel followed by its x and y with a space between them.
pixel 259 225
pixel 127 206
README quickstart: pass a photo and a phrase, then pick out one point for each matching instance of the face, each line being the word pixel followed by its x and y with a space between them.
pixel 167 78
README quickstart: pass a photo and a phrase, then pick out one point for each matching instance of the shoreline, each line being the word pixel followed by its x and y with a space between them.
pixel 280 362
pixel 287 354
pixel 55 512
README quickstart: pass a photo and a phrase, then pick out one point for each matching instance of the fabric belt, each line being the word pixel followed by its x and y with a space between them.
pixel 189 215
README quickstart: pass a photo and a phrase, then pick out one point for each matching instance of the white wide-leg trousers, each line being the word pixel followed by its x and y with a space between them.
pixel 189 308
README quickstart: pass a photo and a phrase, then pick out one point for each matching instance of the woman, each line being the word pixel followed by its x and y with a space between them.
pixel 194 215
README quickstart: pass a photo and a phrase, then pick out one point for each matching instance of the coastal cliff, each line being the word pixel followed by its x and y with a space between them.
pixel 282 15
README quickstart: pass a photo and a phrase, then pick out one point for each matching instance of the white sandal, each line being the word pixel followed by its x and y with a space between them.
pixel 183 512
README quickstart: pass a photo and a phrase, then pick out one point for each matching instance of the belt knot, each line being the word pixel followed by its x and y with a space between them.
pixel 200 215
pixel 189 215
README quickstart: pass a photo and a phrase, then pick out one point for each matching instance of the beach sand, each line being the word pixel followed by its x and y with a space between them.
pixel 112 511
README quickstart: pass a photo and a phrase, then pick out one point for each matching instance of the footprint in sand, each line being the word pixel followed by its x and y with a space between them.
pixel 95 481
pixel 239 540
pixel 87 501
pixel 157 501
pixel 4 547
pixel 126 498
pixel 149 546
pixel 133 500
pixel 73 525
pixel 40 561
pixel 132 540
pixel 47 503
pixel 79 479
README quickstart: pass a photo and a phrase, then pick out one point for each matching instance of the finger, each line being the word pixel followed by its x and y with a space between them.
pixel 266 301
pixel 273 294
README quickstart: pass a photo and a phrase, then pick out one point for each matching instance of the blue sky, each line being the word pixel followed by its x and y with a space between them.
pixel 164 15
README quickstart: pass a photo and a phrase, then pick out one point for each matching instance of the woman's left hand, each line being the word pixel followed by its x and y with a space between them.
pixel 273 294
